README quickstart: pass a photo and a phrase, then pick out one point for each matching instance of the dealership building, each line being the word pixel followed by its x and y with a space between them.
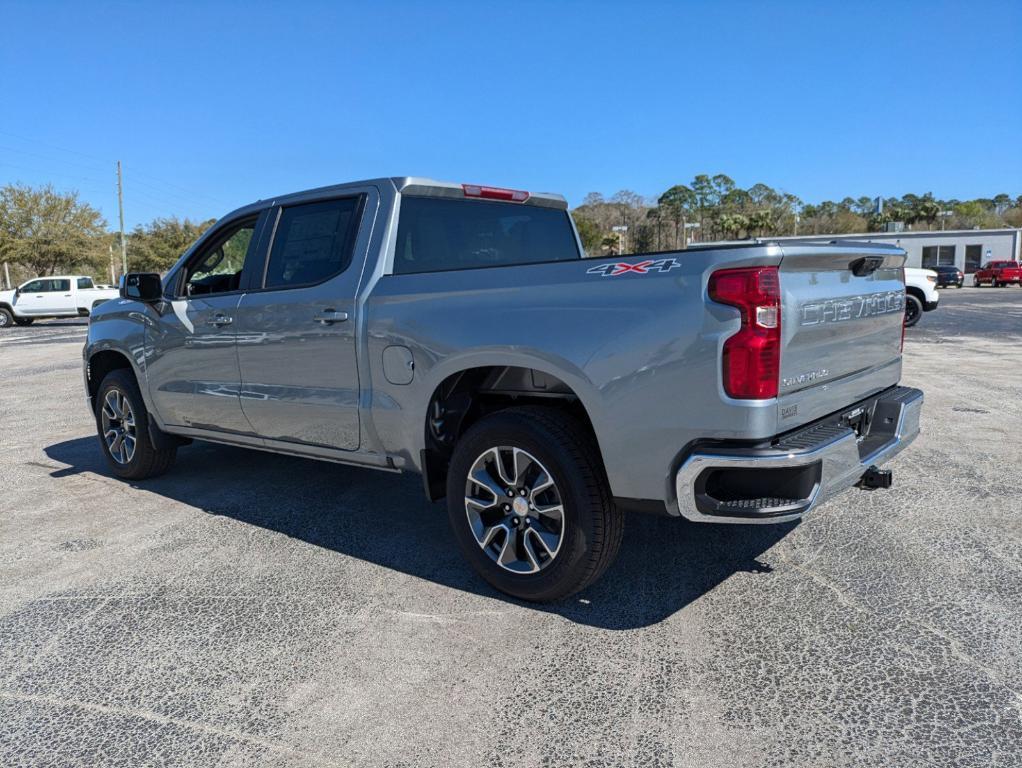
pixel 966 249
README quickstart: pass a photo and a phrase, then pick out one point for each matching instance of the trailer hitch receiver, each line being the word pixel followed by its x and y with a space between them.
pixel 874 478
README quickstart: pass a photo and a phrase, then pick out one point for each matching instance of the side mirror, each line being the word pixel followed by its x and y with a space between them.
pixel 17 291
pixel 142 286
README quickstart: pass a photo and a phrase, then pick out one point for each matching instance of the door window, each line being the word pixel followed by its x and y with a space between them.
pixel 313 242
pixel 60 285
pixel 218 267
pixel 85 282
pixel 36 286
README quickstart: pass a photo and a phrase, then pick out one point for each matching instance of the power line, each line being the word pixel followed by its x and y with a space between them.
pixel 170 187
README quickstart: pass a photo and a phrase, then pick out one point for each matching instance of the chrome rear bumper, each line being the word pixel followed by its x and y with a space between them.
pixel 831 455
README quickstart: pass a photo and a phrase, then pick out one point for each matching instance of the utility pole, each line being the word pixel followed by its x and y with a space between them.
pixel 120 209
pixel 7 276
pixel 113 274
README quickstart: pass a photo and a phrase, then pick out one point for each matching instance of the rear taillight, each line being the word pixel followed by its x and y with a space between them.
pixel 495 193
pixel 752 357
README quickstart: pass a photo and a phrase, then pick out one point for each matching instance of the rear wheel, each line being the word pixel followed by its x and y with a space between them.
pixel 123 425
pixel 913 310
pixel 529 504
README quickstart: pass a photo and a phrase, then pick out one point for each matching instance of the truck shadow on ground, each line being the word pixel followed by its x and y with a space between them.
pixel 383 518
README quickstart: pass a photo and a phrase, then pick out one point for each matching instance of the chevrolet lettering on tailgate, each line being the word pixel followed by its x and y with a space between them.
pixel 852 308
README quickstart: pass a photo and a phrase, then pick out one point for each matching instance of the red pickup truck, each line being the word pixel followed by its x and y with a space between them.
pixel 998 273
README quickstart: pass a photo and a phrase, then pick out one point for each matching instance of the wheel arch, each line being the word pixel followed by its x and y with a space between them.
pixel 463 396
pixel 101 363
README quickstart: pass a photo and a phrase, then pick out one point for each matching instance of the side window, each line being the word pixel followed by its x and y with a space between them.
pixel 60 286
pixel 85 282
pixel 218 267
pixel 313 242
pixel 36 286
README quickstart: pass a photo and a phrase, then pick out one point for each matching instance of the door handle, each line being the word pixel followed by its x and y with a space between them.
pixel 219 320
pixel 330 316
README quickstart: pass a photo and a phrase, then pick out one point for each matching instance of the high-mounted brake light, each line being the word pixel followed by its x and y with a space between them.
pixel 495 193
pixel 752 357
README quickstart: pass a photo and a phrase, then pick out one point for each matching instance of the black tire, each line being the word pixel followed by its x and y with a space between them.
pixel 592 525
pixel 6 318
pixel 961 284
pixel 145 461
pixel 24 321
pixel 913 310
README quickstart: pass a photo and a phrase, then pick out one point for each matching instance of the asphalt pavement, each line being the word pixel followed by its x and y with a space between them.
pixel 248 609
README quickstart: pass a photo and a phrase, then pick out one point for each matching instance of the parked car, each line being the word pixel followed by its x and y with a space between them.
pixel 998 274
pixel 948 276
pixel 920 294
pixel 456 331
pixel 56 296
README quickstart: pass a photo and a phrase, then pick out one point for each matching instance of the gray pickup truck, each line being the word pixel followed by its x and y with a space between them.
pixel 459 332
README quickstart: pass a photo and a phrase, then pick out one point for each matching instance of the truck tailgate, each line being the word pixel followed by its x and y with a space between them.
pixel 843 308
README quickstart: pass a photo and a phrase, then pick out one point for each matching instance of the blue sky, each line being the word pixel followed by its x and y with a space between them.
pixel 213 105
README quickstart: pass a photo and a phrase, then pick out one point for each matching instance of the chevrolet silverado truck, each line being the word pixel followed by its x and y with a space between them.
pixel 56 296
pixel 459 332
pixel 998 274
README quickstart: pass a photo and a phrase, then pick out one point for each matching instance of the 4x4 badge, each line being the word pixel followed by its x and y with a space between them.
pixel 641 267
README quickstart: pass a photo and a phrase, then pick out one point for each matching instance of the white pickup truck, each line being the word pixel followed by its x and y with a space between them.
pixel 54 296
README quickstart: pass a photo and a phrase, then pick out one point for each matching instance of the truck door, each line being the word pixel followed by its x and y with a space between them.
pixel 296 328
pixel 30 297
pixel 191 357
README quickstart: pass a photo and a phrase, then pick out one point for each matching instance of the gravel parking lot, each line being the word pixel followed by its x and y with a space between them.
pixel 249 609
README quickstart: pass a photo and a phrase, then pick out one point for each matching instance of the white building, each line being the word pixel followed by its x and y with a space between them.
pixel 966 249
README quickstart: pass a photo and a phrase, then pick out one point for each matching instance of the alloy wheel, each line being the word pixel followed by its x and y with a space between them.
pixel 514 509
pixel 118 421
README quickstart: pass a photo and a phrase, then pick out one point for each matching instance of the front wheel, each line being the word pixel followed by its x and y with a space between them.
pixel 529 504
pixel 913 310
pixel 6 318
pixel 123 425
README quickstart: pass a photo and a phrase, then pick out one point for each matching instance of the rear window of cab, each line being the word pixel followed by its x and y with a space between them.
pixel 436 234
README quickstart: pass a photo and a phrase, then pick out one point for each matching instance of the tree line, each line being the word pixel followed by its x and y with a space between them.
pixel 44 231
pixel 713 208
